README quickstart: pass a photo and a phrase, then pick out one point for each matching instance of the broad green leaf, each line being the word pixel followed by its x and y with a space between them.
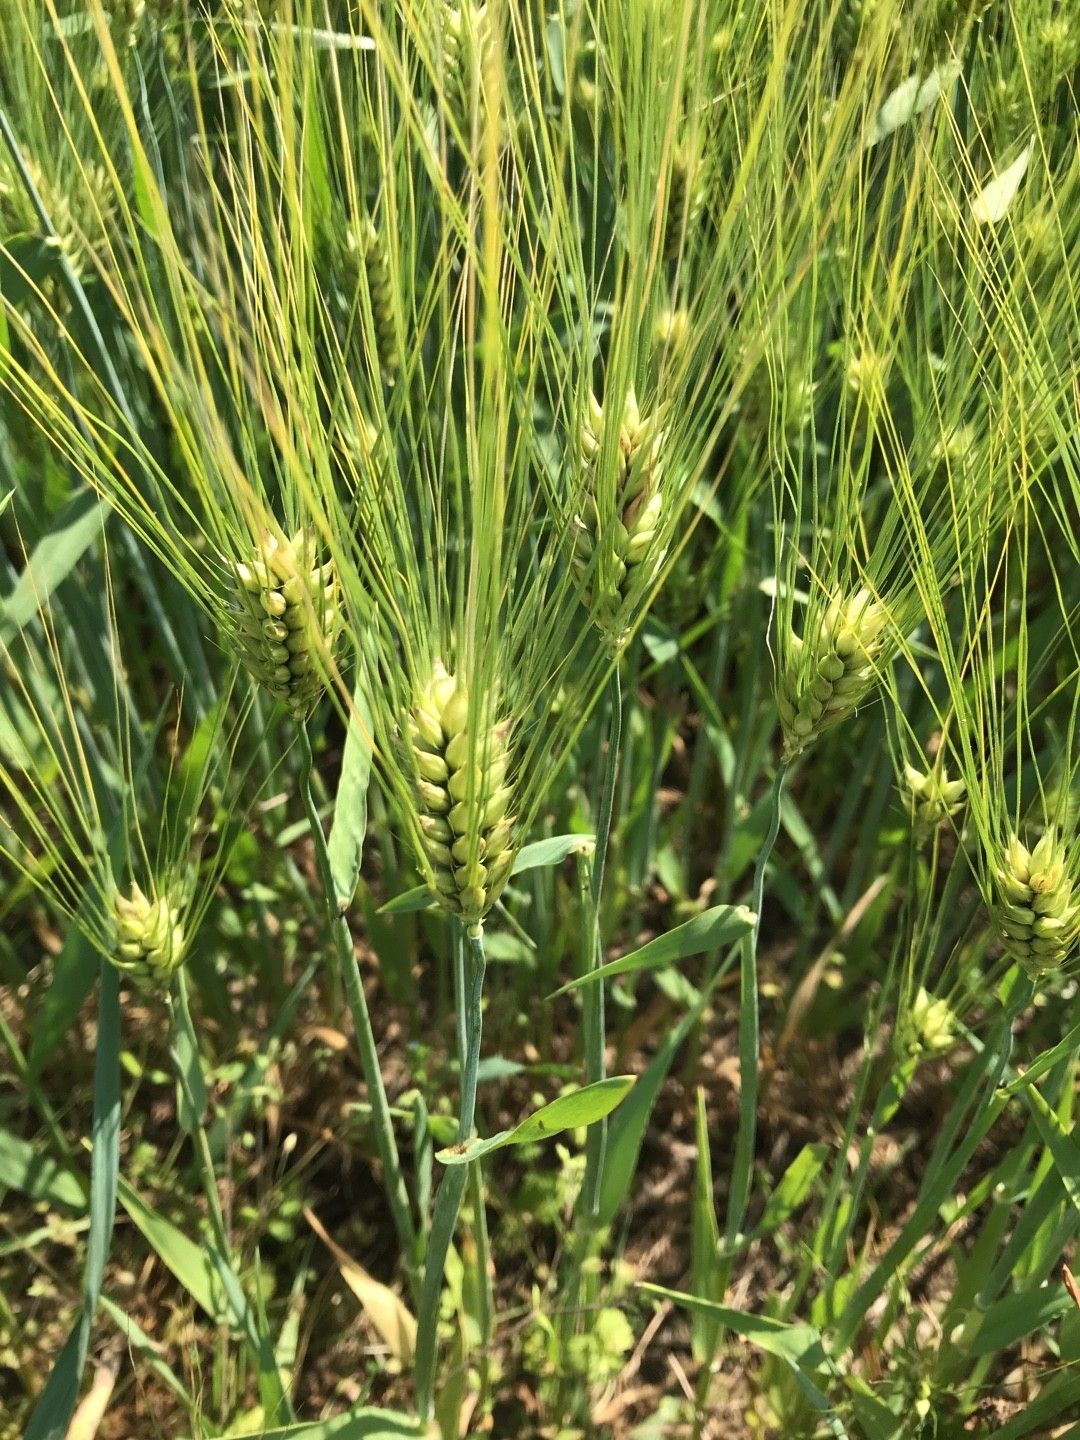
pixel 1060 1144
pixel 722 925
pixel 53 558
pixel 28 1168
pixel 346 843
pixel 567 1112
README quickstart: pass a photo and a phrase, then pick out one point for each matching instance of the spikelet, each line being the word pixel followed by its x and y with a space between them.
pixel 931 798
pixel 826 677
pixel 367 246
pixel 617 554
pixel 1035 912
pixel 686 199
pixel 463 797
pixel 288 613
pixel 933 1024
pixel 464 34
pixel 149 936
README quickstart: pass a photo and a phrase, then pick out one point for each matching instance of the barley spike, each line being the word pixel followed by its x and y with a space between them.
pixel 463 798
pixel 827 677
pixel 1036 908
pixel 618 552
pixel 288 611
pixel 149 942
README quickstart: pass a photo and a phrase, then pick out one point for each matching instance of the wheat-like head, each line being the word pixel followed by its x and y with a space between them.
pixel 462 795
pixel 288 618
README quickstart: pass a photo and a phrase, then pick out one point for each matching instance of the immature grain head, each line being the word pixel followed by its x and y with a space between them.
pixel 462 795
pixel 617 543
pixel 932 797
pixel 366 245
pixel 149 943
pixel 686 198
pixel 288 615
pixel 1036 908
pixel 831 669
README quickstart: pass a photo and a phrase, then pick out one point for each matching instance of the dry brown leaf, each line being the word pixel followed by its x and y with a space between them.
pixel 386 1311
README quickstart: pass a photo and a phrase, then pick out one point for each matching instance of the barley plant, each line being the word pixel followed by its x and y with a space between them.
pixel 540 718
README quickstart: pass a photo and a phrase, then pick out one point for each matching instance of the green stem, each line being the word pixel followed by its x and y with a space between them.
pixel 595 1017
pixel 272 1390
pixel 742 1168
pixel 448 1200
pixel 345 954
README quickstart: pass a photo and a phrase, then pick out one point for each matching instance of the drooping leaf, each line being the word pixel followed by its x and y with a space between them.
pixel 386 1310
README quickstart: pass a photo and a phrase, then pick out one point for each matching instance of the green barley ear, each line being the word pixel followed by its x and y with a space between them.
pixel 149 936
pixel 366 245
pixel 462 796
pixel 617 545
pixel 932 1024
pixel 464 34
pixel 931 797
pixel 288 617
pixel 686 199
pixel 1035 911
pixel 829 672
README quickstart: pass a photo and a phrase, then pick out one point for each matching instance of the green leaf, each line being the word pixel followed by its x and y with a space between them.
pixel 190 1085
pixel 182 1256
pixel 1012 1318
pixel 530 857
pixel 552 851
pixel 346 843
pixel 567 1112
pixel 627 1130
pixel 418 898
pixel 28 1168
pixel 363 1424
pixel 147 1351
pixel 53 558
pixel 706 1270
pixel 795 1185
pixel 54 1409
pixel 793 1341
pixel 721 925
